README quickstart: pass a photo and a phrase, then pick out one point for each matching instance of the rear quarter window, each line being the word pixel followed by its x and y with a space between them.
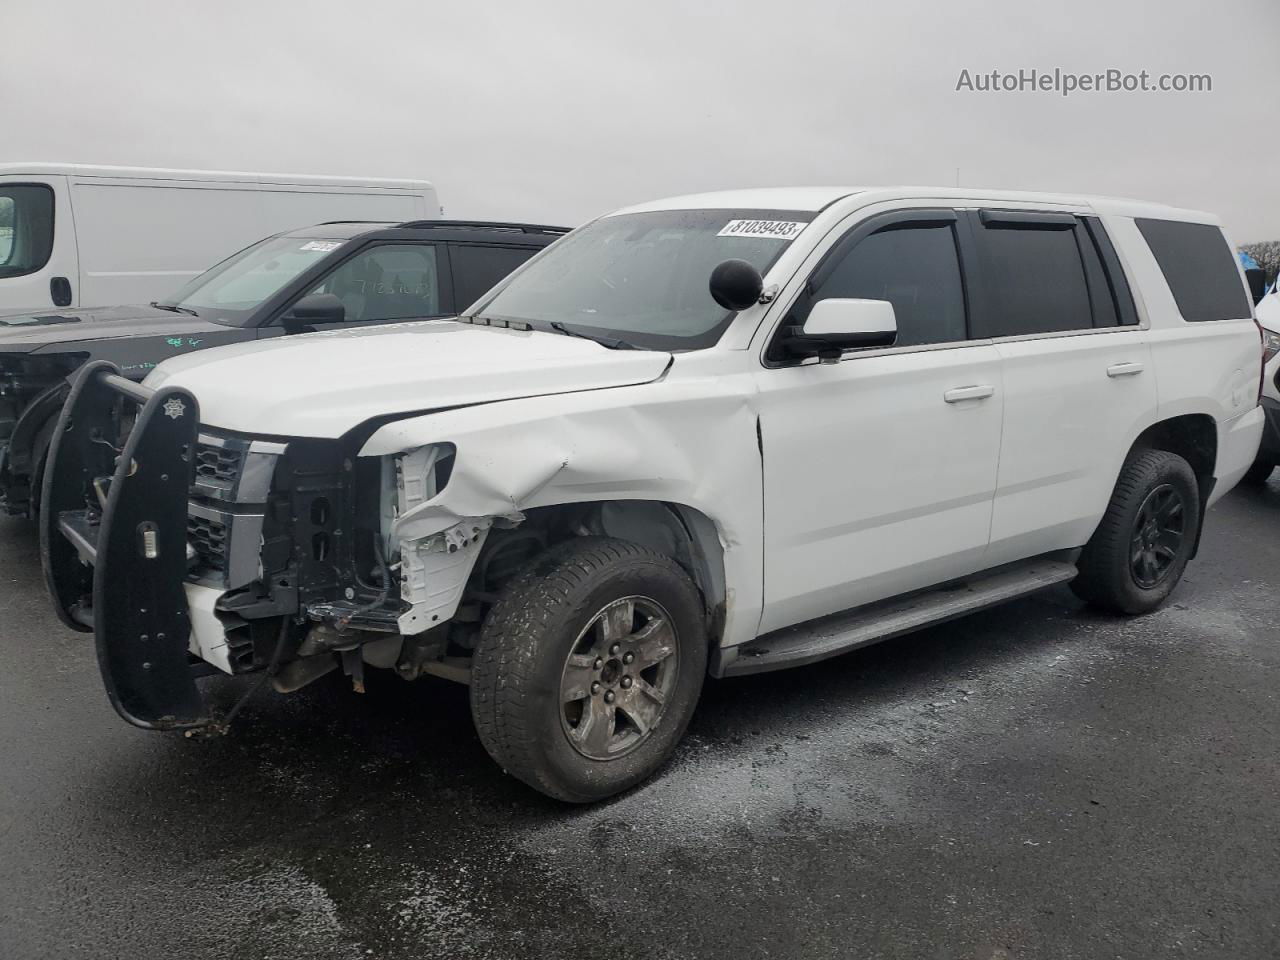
pixel 1199 267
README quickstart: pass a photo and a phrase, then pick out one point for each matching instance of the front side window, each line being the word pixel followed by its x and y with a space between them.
pixel 912 265
pixel 26 228
pixel 1200 269
pixel 644 277
pixel 230 292
pixel 1034 279
pixel 387 282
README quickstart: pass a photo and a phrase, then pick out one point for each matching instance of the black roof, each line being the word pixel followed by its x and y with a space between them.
pixel 483 231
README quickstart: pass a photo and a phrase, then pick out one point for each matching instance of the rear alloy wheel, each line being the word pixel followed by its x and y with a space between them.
pixel 1140 549
pixel 1158 535
pixel 588 668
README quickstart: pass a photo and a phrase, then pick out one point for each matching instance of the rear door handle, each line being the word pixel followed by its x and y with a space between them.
pixel 1127 369
pixel 980 392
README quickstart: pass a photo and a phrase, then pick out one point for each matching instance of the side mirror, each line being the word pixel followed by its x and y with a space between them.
pixel 313 309
pixel 1257 278
pixel 835 325
pixel 736 284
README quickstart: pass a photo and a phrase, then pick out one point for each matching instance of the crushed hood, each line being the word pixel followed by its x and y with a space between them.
pixel 325 384
pixel 46 331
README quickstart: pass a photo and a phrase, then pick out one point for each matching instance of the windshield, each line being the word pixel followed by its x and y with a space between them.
pixel 643 277
pixel 231 291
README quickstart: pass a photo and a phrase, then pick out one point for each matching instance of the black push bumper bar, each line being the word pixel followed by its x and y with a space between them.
pixel 113 538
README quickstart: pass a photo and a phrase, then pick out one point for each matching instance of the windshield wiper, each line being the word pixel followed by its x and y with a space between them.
pixel 613 343
pixel 174 308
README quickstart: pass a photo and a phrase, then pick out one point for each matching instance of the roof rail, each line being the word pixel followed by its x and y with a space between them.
pixel 483 225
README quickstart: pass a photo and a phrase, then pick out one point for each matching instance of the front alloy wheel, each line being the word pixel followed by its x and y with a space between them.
pixel 617 678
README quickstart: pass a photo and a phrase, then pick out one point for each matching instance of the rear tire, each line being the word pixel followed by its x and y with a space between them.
pixel 1258 474
pixel 589 667
pixel 1140 549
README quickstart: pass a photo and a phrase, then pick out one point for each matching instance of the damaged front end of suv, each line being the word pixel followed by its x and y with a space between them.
pixel 188 549
pixel 299 557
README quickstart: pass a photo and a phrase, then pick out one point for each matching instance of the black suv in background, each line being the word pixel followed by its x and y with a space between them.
pixel 314 278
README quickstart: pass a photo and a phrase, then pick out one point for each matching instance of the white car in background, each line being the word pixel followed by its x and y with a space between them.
pixel 1268 313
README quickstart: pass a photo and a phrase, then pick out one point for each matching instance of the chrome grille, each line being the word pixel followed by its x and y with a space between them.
pixel 228 503
pixel 218 464
pixel 208 538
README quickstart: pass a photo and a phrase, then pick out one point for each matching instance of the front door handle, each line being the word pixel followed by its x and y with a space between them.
pixel 1127 369
pixel 959 394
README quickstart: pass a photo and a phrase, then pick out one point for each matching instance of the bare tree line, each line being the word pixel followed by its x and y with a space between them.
pixel 1267 253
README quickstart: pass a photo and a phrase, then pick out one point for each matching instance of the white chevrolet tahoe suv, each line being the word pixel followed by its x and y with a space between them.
pixel 717 434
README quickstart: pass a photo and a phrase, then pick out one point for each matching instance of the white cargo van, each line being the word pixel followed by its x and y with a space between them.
pixel 86 236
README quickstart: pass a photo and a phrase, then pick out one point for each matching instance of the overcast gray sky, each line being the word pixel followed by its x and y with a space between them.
pixel 557 110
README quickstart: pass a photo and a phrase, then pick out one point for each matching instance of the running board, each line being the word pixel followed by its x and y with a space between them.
pixel 842 632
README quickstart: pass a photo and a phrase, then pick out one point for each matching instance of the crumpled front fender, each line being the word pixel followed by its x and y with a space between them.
pixel 691 444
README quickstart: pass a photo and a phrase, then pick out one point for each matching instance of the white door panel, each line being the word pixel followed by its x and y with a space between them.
pixel 1072 406
pixel 879 473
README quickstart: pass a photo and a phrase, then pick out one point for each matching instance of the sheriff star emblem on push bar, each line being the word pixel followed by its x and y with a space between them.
pixel 174 409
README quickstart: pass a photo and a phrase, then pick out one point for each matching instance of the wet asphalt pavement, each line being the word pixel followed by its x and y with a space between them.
pixel 1036 781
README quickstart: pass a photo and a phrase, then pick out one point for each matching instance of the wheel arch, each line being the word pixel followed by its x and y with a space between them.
pixel 686 534
pixel 1194 437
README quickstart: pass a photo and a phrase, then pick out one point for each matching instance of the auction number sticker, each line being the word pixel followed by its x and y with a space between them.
pixel 322 246
pixel 768 229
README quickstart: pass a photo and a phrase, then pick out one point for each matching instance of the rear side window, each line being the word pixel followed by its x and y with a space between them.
pixel 26 228
pixel 1200 269
pixel 915 267
pixel 1034 277
pixel 476 269
pixel 390 281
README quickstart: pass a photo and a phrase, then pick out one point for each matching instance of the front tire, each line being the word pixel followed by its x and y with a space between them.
pixel 1140 549
pixel 589 667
